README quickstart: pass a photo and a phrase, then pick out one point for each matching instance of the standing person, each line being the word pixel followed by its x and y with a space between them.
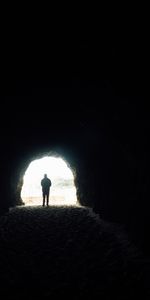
pixel 46 183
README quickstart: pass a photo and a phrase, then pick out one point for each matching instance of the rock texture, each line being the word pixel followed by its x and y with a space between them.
pixel 69 252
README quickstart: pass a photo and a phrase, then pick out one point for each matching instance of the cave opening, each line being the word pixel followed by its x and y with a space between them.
pixel 62 190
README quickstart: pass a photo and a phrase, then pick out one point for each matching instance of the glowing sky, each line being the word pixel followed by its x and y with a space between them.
pixel 62 190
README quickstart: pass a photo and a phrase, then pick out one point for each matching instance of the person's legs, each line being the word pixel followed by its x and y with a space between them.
pixel 43 199
pixel 47 198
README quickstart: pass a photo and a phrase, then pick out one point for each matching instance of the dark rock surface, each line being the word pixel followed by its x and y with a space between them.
pixel 67 251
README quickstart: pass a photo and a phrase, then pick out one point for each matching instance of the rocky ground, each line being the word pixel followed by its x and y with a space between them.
pixel 67 251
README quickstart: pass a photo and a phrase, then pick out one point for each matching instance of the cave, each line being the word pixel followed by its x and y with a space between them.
pixel 106 148
pixel 62 191
pixel 107 151
pixel 58 160
pixel 84 98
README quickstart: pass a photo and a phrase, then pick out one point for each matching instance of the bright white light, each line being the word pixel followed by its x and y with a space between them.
pixel 62 191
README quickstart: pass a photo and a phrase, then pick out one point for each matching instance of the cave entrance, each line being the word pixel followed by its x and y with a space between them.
pixel 62 191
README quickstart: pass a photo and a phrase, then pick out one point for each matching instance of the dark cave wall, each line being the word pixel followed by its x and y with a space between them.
pixel 113 178
pixel 107 180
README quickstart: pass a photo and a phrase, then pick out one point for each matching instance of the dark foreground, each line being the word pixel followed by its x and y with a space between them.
pixel 67 251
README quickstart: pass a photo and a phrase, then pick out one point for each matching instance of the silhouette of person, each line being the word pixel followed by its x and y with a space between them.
pixel 46 183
